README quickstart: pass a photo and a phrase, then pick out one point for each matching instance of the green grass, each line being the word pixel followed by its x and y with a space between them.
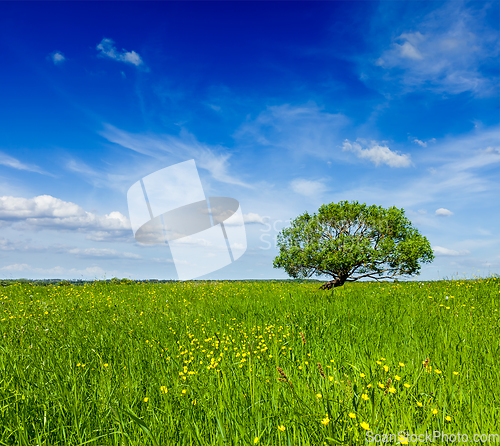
pixel 197 363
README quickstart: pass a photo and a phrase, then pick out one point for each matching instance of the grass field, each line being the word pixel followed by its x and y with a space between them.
pixel 241 363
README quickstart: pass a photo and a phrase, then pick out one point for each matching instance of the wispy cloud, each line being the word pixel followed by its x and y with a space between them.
pixel 423 143
pixel 305 130
pixel 440 251
pixel 107 49
pixel 99 178
pixel 168 148
pixel 308 188
pixel 471 172
pixel 446 52
pixel 97 253
pixel 9 161
pixel 57 57
pixel 378 154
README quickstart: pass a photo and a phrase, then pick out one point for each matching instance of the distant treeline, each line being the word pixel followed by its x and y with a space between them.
pixel 116 280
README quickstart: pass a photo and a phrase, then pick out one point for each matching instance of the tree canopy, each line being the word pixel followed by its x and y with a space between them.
pixel 351 241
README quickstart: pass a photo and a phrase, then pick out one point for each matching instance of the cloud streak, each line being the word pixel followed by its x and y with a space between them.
pixel 308 188
pixel 108 49
pixel 9 161
pixel 168 148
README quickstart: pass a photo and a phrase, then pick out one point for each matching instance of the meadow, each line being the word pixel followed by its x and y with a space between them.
pixel 245 363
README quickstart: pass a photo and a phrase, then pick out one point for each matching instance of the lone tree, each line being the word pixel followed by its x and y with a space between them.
pixel 351 241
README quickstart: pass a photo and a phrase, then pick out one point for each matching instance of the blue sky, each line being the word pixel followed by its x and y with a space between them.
pixel 283 105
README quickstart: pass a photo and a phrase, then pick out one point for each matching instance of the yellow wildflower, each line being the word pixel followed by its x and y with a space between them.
pixel 352 415
pixel 365 397
pixel 365 426
pixel 281 428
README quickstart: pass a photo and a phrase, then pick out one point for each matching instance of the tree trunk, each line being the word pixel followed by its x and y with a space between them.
pixel 332 284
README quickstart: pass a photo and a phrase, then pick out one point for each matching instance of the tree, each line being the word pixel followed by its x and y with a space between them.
pixel 350 241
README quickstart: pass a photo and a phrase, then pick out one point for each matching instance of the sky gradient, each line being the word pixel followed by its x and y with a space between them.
pixel 284 106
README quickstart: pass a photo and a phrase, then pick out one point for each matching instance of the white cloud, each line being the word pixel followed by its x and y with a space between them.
pixel 9 161
pixel 253 218
pixel 16 267
pixel 440 251
pixel 308 188
pixel 378 154
pixel 57 57
pixel 107 49
pixel 420 143
pixel 49 212
pixel 442 212
pixel 179 147
pixel 38 207
pixel 102 253
pixel 446 51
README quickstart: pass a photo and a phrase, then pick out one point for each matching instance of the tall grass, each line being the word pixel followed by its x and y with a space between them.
pixel 215 363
